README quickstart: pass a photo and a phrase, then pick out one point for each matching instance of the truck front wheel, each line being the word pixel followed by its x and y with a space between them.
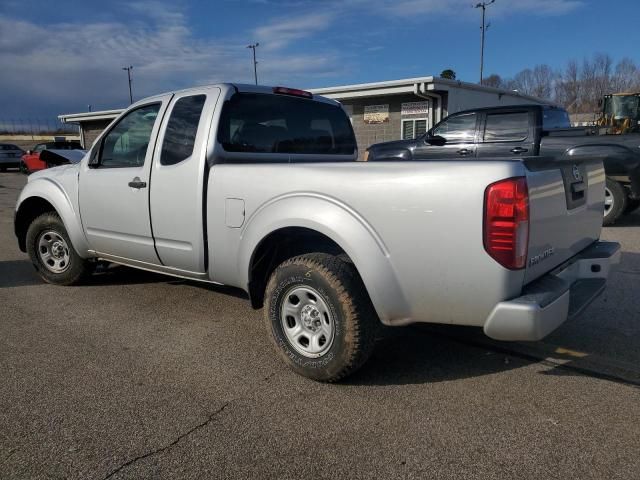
pixel 319 316
pixel 615 201
pixel 51 252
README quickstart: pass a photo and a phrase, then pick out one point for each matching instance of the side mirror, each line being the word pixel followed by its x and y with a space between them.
pixel 29 152
pixel 436 140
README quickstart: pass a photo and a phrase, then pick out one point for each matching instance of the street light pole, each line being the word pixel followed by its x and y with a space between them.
pixel 253 47
pixel 128 69
pixel 483 28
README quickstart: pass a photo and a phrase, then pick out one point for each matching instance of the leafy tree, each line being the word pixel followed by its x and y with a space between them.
pixel 449 74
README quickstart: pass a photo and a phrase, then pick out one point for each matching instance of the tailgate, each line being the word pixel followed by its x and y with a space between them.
pixel 566 202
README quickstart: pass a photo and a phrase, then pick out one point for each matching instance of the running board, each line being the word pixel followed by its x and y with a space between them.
pixel 150 267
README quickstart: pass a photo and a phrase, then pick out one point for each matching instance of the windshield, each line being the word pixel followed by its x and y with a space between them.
pixel 622 106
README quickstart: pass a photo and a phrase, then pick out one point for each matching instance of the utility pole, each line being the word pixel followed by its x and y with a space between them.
pixel 128 69
pixel 253 47
pixel 483 28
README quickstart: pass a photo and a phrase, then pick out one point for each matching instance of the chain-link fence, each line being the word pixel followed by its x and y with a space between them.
pixel 36 126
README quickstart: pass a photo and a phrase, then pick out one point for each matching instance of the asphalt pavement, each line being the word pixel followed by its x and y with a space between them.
pixel 140 376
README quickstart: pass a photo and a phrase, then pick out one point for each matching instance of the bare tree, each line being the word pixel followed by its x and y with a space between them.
pixel 595 80
pixel 544 78
pixel 579 86
pixel 567 88
pixel 626 77
pixel 494 80
pixel 523 81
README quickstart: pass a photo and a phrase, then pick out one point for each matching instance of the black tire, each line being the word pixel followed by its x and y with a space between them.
pixel 355 322
pixel 75 268
pixel 632 205
pixel 3 169
pixel 23 168
pixel 618 197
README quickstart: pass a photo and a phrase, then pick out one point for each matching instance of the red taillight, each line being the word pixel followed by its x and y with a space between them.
pixel 506 222
pixel 292 91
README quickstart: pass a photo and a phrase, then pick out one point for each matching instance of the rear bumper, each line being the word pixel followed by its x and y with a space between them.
pixel 559 295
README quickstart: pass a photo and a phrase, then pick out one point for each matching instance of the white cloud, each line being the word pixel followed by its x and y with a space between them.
pixel 60 68
pixel 281 32
pixel 405 8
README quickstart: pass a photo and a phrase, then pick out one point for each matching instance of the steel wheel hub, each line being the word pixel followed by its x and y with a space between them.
pixel 608 201
pixel 307 321
pixel 53 252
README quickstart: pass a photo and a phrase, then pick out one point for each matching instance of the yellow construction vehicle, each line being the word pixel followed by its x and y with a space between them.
pixel 620 113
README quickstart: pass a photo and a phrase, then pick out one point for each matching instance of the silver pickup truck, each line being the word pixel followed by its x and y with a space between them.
pixel 259 188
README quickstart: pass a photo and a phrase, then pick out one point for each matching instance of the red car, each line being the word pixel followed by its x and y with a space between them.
pixel 31 160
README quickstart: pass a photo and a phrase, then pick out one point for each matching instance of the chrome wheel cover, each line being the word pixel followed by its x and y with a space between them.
pixel 53 251
pixel 307 321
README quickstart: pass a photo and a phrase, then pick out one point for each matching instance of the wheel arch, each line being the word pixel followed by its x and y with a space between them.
pixel 301 224
pixel 43 196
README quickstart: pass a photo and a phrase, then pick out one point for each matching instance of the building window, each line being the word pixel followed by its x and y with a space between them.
pixel 413 128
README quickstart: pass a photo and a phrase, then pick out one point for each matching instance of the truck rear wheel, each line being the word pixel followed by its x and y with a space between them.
pixel 319 316
pixel 51 252
pixel 615 201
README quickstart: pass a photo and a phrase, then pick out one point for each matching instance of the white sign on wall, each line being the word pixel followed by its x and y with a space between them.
pixel 376 113
pixel 414 108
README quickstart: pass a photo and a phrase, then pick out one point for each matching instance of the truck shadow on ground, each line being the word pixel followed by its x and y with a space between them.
pixel 414 355
pixel 121 275
pixel 630 220
pixel 21 273
pixel 18 273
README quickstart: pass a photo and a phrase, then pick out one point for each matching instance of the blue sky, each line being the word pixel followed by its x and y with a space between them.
pixel 60 56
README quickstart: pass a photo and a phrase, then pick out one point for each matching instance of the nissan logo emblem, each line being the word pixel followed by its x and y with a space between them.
pixel 576 172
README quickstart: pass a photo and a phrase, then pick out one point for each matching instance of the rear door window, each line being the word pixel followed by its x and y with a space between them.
pixel 506 127
pixel 262 123
pixel 180 135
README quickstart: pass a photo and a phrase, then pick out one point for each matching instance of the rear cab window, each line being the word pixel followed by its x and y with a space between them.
pixel 555 118
pixel 257 123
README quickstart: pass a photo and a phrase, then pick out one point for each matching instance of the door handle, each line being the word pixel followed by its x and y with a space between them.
pixel 463 151
pixel 519 150
pixel 137 183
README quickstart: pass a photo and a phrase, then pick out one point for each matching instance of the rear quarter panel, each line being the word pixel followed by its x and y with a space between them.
pixel 413 229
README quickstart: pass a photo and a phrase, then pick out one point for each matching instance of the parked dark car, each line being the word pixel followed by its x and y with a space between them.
pixel 9 156
pixel 527 130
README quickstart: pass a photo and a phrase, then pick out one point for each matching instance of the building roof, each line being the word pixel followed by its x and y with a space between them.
pixel 418 85
pixel 90 116
pixel 412 85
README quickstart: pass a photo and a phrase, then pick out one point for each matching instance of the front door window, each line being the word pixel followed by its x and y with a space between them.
pixel 126 144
